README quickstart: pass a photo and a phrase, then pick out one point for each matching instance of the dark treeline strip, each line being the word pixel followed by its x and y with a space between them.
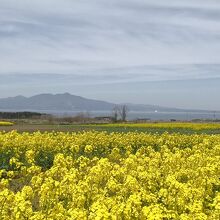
pixel 20 115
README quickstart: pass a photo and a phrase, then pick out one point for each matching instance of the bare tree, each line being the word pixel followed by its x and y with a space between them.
pixel 123 111
pixel 115 113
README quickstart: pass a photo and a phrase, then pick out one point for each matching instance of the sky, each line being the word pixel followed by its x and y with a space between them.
pixel 163 52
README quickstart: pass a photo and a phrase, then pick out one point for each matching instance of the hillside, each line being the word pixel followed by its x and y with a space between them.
pixel 67 102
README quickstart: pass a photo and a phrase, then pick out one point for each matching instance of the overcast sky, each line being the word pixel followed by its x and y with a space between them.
pixel 164 52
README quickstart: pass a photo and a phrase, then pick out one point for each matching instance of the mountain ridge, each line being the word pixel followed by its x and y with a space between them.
pixel 68 102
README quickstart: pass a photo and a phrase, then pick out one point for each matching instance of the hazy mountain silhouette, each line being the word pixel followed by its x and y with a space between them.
pixel 67 102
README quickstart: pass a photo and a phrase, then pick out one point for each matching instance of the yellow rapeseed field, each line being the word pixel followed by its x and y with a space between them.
pixel 119 176
pixel 167 125
pixel 5 123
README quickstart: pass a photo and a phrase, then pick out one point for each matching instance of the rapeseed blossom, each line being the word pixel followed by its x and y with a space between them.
pixel 95 175
pixel 6 123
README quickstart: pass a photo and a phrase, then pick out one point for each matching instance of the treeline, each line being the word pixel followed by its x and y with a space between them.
pixel 21 115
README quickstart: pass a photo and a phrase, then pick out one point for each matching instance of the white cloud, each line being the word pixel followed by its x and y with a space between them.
pixel 111 33
pixel 111 41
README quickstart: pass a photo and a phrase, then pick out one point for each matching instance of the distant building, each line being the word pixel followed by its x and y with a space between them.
pixel 142 120
pixel 104 118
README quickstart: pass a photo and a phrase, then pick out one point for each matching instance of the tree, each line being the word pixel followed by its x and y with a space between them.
pixel 115 113
pixel 123 111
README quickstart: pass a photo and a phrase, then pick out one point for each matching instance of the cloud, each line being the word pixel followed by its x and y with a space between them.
pixel 102 42
pixel 130 74
pixel 110 33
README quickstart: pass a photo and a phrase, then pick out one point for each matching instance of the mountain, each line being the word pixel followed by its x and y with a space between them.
pixel 58 102
pixel 67 102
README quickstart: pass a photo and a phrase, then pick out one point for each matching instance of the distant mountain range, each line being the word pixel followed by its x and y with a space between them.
pixel 67 102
